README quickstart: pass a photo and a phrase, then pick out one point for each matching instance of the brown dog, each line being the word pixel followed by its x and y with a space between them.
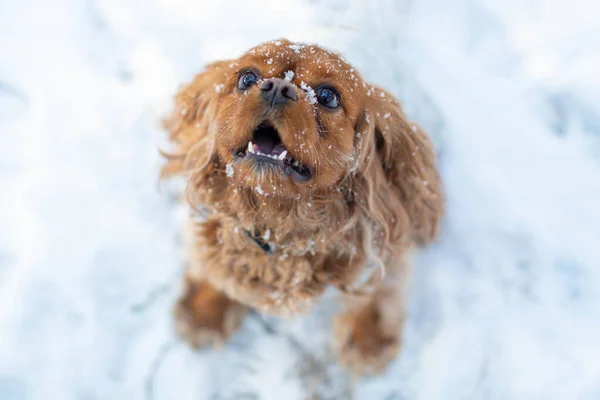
pixel 310 177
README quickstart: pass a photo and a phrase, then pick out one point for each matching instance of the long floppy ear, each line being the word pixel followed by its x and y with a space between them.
pixel 402 191
pixel 190 123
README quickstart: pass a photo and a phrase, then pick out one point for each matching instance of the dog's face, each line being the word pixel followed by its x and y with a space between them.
pixel 287 117
pixel 294 122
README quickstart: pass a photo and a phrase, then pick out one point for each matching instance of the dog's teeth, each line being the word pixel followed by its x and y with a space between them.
pixel 250 148
pixel 282 155
pixel 296 163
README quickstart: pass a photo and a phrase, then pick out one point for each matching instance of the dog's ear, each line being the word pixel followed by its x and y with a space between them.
pixel 397 170
pixel 190 125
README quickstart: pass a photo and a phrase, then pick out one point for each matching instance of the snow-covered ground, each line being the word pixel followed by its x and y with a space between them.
pixel 505 306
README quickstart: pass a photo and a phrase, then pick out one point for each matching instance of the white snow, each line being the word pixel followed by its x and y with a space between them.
pixel 296 47
pixel 505 305
pixel 289 75
pixel 229 170
pixel 310 93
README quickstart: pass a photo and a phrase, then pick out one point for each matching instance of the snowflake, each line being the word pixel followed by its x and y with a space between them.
pixel 296 47
pixel 312 97
pixel 229 170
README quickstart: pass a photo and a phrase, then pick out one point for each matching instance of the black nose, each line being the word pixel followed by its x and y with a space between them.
pixel 277 91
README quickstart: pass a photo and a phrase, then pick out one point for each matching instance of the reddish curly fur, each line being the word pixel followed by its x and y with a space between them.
pixel 375 190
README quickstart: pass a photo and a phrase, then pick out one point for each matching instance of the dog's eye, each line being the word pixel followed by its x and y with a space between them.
pixel 246 80
pixel 328 97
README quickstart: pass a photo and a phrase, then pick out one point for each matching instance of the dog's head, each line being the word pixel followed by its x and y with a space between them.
pixel 291 121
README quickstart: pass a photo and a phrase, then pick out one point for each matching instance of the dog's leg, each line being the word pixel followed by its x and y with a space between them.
pixel 204 315
pixel 368 331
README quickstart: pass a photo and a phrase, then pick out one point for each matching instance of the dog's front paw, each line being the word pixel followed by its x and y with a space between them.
pixel 204 316
pixel 363 343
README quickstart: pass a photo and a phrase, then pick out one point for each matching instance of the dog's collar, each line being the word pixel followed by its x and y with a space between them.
pixel 263 244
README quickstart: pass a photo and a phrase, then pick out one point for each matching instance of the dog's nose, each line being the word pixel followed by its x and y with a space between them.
pixel 277 92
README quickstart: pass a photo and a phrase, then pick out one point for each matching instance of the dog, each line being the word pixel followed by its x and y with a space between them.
pixel 300 176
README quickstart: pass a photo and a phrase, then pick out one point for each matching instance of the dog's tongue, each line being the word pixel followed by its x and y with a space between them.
pixel 266 145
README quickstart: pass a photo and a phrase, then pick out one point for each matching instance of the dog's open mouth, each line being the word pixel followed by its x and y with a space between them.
pixel 266 148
